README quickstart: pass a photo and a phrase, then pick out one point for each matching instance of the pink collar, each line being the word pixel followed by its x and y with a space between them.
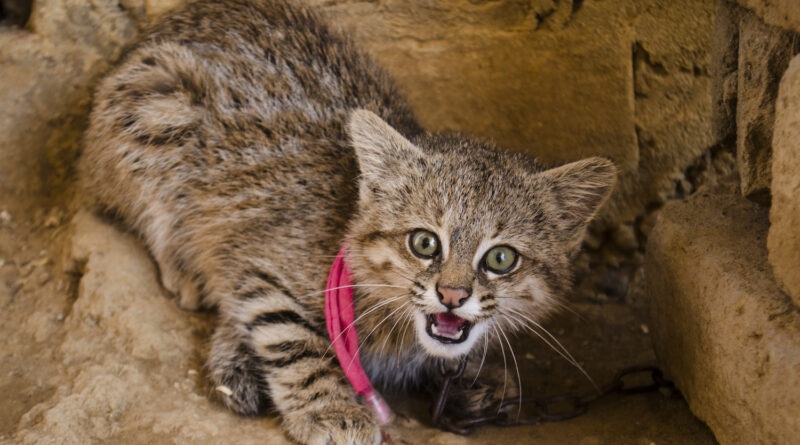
pixel 340 319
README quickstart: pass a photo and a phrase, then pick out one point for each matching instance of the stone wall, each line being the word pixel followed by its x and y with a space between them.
pixel 563 80
pixel 722 268
pixel 753 86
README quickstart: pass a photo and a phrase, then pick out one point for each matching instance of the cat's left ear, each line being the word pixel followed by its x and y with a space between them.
pixel 577 191
pixel 381 151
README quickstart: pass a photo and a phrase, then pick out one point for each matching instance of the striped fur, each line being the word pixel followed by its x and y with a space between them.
pixel 245 142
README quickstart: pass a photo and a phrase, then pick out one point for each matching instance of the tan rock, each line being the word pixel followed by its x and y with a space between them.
pixel 721 327
pixel 500 70
pixel 724 66
pixel 783 241
pixel 782 13
pixel 764 54
pixel 131 356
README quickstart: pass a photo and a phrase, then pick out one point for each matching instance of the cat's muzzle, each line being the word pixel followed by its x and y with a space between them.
pixel 447 327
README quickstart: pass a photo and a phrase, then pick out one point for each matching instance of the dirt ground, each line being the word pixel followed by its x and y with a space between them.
pixel 73 368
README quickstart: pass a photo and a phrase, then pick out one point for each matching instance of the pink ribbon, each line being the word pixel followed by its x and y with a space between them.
pixel 340 319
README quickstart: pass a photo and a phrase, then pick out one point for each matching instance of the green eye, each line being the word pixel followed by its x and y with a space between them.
pixel 423 244
pixel 500 259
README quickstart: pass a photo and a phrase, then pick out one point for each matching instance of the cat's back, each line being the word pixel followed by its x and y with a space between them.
pixel 241 81
pixel 226 121
pixel 228 90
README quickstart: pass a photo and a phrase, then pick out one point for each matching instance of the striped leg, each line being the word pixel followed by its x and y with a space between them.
pixel 269 351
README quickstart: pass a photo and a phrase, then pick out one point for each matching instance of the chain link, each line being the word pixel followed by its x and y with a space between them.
pixel 551 409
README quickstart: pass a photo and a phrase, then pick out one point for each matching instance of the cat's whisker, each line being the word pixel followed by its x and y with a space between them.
pixel 519 378
pixel 518 320
pixel 560 349
pixel 523 318
pixel 483 358
pixel 351 286
pixel 394 326
pixel 554 301
pixel 566 306
pixel 377 325
pixel 543 329
pixel 408 322
pixel 505 369
pixel 357 319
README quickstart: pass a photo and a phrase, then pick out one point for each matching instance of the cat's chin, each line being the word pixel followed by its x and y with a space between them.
pixel 439 343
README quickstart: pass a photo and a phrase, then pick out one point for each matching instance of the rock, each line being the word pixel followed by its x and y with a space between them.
pixel 14 12
pixel 478 59
pixel 131 359
pixel 720 326
pixel 671 98
pixel 783 241
pixel 724 65
pixel 782 13
pixel 764 54
pixel 48 71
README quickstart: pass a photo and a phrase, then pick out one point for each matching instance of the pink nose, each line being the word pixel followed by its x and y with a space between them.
pixel 453 296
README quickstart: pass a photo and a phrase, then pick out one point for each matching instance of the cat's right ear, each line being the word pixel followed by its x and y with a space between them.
pixel 381 151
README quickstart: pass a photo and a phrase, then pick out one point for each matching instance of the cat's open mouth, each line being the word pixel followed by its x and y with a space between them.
pixel 447 327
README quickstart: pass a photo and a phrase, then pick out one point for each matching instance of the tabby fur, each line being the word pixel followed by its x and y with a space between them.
pixel 245 142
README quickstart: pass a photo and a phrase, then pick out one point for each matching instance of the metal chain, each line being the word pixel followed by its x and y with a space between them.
pixel 551 409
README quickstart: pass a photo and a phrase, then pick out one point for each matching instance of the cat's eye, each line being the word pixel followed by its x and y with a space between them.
pixel 500 259
pixel 423 243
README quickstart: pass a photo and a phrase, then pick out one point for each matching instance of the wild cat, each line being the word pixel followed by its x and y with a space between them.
pixel 246 143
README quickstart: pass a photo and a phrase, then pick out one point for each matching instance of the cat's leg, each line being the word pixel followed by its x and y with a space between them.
pixel 265 350
pixel 179 283
pixel 238 371
pixel 158 226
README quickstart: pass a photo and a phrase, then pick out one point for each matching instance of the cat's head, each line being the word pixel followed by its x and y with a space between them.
pixel 454 241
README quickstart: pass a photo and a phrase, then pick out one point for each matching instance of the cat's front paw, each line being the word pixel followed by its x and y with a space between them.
pixel 339 423
pixel 475 401
pixel 484 395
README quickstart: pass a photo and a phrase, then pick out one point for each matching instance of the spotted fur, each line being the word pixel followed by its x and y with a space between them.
pixel 245 141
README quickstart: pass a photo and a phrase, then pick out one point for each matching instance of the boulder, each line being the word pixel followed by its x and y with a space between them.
pixel 783 13
pixel 783 241
pixel 764 54
pixel 722 329
pixel 131 359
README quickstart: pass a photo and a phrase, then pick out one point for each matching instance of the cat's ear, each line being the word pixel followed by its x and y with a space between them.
pixel 381 151
pixel 577 192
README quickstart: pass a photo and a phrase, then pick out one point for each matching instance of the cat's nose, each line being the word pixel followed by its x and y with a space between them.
pixel 453 297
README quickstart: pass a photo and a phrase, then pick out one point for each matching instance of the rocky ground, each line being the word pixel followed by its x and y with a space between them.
pixel 95 351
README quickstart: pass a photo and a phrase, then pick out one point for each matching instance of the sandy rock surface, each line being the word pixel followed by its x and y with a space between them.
pixel 721 326
pixel 783 241
pixel 129 357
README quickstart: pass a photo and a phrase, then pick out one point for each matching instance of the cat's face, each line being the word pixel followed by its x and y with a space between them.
pixel 458 243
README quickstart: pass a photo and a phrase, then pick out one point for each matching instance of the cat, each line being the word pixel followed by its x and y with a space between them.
pixel 245 142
